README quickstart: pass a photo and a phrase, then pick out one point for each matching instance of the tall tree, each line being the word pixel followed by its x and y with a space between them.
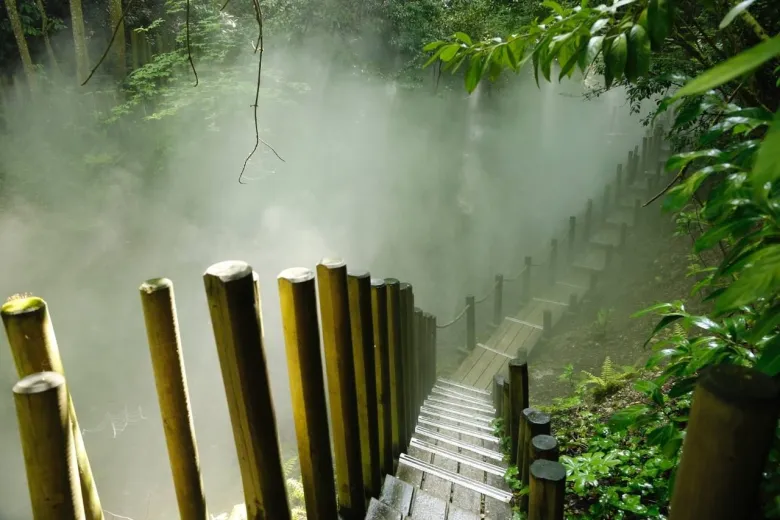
pixel 115 8
pixel 79 40
pixel 21 42
pixel 45 33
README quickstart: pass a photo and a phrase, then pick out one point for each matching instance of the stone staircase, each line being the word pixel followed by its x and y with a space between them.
pixel 453 468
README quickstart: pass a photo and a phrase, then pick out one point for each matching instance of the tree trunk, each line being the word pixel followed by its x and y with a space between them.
pixel 119 44
pixel 79 40
pixel 45 33
pixel 24 52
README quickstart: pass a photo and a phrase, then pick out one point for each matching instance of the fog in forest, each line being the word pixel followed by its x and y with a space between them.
pixel 440 189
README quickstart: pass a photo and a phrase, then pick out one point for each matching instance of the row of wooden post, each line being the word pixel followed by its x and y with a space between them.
pixel 379 356
pixel 730 432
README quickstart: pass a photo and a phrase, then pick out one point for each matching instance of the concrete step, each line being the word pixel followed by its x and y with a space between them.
pixel 459 430
pixel 461 421
pixel 461 458
pixel 466 414
pixel 485 410
pixel 453 384
pixel 457 479
pixel 461 396
pixel 400 500
pixel 427 433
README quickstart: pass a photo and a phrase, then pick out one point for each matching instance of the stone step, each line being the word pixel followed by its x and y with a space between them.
pixel 400 500
pixel 468 415
pixel 460 396
pixel 455 478
pixel 481 409
pixel 460 430
pixel 494 455
pixel 447 383
pixel 444 416
pixel 479 464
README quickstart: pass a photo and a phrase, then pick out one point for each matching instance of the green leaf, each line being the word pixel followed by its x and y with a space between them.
pixel 435 56
pixel 627 416
pixel 667 320
pixel 767 167
pixel 769 362
pixel 474 73
pixel 461 36
pixel 617 55
pixel 734 12
pixel 654 308
pixel 682 387
pixel 722 231
pixel 672 447
pixel 592 50
pixel 677 162
pixel 599 25
pixel 705 323
pixel 555 6
pixel 449 51
pixel 661 435
pixel 760 278
pixel 638 62
pixel 659 21
pixel 679 196
pixel 433 46
pixel 732 68
pixel 768 322
pixel 577 51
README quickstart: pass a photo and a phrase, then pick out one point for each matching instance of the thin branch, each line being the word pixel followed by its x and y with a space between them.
pixel 111 42
pixel 259 50
pixel 224 5
pixel 189 50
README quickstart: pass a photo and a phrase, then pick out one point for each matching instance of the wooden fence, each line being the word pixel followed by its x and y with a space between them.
pixel 380 361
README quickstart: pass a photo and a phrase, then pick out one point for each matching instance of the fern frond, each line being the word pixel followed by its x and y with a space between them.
pixel 607 370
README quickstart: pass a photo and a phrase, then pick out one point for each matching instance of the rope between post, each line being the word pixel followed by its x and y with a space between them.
pixel 489 294
pixel 458 317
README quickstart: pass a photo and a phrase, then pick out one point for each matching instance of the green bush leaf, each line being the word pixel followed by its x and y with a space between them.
pixel 760 278
pixel 679 196
pixel 654 308
pixel 732 68
pixel 555 6
pixel 734 12
pixel 682 387
pixel 678 161
pixel 638 62
pixel 661 435
pixel 665 322
pixel 767 167
pixel 474 73
pixel 449 51
pixel 769 362
pixel 433 46
pixel 592 50
pixel 461 36
pixel 627 416
pixel 617 55
pixel 659 21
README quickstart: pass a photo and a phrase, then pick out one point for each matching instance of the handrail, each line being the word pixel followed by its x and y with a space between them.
pixel 458 317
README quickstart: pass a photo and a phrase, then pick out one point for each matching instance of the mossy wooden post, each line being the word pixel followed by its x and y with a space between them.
pixel 553 265
pixel 543 447
pixel 618 183
pixel 506 411
pixel 572 239
pixel 730 431
pixel 382 374
pixel 588 225
pixel 47 443
pixel 397 410
pixel 340 369
pixel 526 287
pixel 234 307
pixel 518 390
pixel 471 323
pixel 498 301
pixel 532 423
pixel 407 299
pixel 546 323
pixel 34 348
pixel 498 403
pixel 162 333
pixel 304 364
pixel 630 168
pixel 361 323
pixel 547 487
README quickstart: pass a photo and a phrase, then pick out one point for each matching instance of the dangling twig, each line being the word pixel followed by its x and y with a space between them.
pixel 259 52
pixel 189 50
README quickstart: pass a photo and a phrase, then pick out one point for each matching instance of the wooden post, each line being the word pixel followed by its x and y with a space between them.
pixel 235 312
pixel 526 287
pixel 498 301
pixel 551 270
pixel 543 447
pixel 731 428
pixel 643 163
pixel 547 488
pixel 47 443
pixel 407 305
pixel 304 364
pixel 518 389
pixel 636 163
pixel 607 200
pixel 430 334
pixel 588 221
pixel 34 348
pixel 382 374
pixel 546 323
pixel 637 212
pixel 532 423
pixel 471 323
pixel 618 183
pixel 498 393
pixel 506 411
pixel 359 289
pixel 425 362
pixel 162 333
pixel 630 168
pixel 572 238
pixel 339 364
pixel 397 410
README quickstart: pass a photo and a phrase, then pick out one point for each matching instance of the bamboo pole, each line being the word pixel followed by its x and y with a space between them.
pixel 730 431
pixel 34 348
pixel 235 311
pixel 359 288
pixel 547 487
pixel 304 364
pixel 518 390
pixel 337 342
pixel 47 443
pixel 407 315
pixel 382 374
pixel 395 359
pixel 162 332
